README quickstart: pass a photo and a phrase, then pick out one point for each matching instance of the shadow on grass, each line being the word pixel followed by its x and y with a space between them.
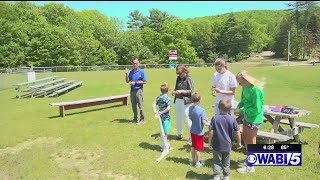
pixel 157 135
pixel 186 148
pixel 233 164
pixel 242 150
pixel 179 160
pixel 91 110
pixel 208 163
pixel 146 145
pixel 122 120
pixel 194 175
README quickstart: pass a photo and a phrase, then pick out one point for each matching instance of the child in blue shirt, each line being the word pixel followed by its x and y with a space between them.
pixel 221 130
pixel 199 119
pixel 164 103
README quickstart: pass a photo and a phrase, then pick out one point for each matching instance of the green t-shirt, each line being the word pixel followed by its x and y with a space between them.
pixel 251 104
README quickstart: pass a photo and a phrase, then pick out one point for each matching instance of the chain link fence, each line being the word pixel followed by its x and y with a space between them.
pixel 11 76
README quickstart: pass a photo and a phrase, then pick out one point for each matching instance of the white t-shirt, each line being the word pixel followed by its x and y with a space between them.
pixel 224 81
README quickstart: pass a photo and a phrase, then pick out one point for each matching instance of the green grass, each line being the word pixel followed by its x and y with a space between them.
pixel 99 143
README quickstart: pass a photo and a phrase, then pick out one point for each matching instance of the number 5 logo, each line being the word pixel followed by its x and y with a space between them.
pixel 295 158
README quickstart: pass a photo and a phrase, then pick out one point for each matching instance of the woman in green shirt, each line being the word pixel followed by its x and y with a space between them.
pixel 251 107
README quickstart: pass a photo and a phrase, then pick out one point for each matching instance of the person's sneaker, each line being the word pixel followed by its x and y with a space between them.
pixel 225 178
pixel 141 122
pixel 242 161
pixel 198 164
pixel 179 138
pixel 216 178
pixel 202 162
pixel 246 169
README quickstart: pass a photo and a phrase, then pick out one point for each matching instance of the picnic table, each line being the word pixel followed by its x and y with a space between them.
pixel 277 118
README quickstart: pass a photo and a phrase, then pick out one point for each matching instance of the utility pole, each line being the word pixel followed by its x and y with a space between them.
pixel 289 48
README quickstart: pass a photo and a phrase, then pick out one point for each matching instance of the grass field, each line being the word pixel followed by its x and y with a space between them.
pixel 99 142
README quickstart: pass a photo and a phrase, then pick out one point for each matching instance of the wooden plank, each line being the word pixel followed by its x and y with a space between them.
pixel 302 124
pixel 76 106
pixel 271 120
pixel 268 111
pixel 293 132
pixel 270 135
pixel 293 126
pixel 89 100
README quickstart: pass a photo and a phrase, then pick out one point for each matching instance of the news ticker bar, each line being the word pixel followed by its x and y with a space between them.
pixel 274 147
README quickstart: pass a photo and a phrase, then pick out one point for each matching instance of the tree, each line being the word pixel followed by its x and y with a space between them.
pixel 307 7
pixel 235 37
pixel 135 20
pixel 313 36
pixel 157 18
pixel 56 14
pixel 130 44
pixel 13 43
pixel 176 27
pixel 152 40
pixel 281 40
pixel 203 39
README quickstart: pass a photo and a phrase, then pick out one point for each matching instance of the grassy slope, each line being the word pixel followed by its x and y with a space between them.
pixel 117 148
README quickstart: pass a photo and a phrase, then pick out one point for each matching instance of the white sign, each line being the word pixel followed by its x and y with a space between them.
pixel 31 76
pixel 173 54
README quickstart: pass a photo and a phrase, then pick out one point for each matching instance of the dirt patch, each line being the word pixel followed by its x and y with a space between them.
pixel 82 162
pixel 118 176
pixel 3 176
pixel 42 141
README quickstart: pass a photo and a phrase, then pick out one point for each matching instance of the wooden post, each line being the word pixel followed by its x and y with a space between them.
pixel 125 101
pixel 61 111
pixel 292 125
pixel 275 126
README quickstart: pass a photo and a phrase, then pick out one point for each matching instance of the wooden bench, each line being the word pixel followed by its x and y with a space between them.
pixel 301 124
pixel 56 93
pixel 18 86
pixel 271 137
pixel 90 102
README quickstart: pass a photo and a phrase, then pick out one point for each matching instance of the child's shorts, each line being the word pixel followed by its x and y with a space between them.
pixel 166 126
pixel 197 142
pixel 252 125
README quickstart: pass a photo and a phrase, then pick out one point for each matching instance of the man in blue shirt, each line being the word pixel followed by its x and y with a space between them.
pixel 136 78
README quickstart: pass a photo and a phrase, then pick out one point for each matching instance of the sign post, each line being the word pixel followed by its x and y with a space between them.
pixel 173 57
